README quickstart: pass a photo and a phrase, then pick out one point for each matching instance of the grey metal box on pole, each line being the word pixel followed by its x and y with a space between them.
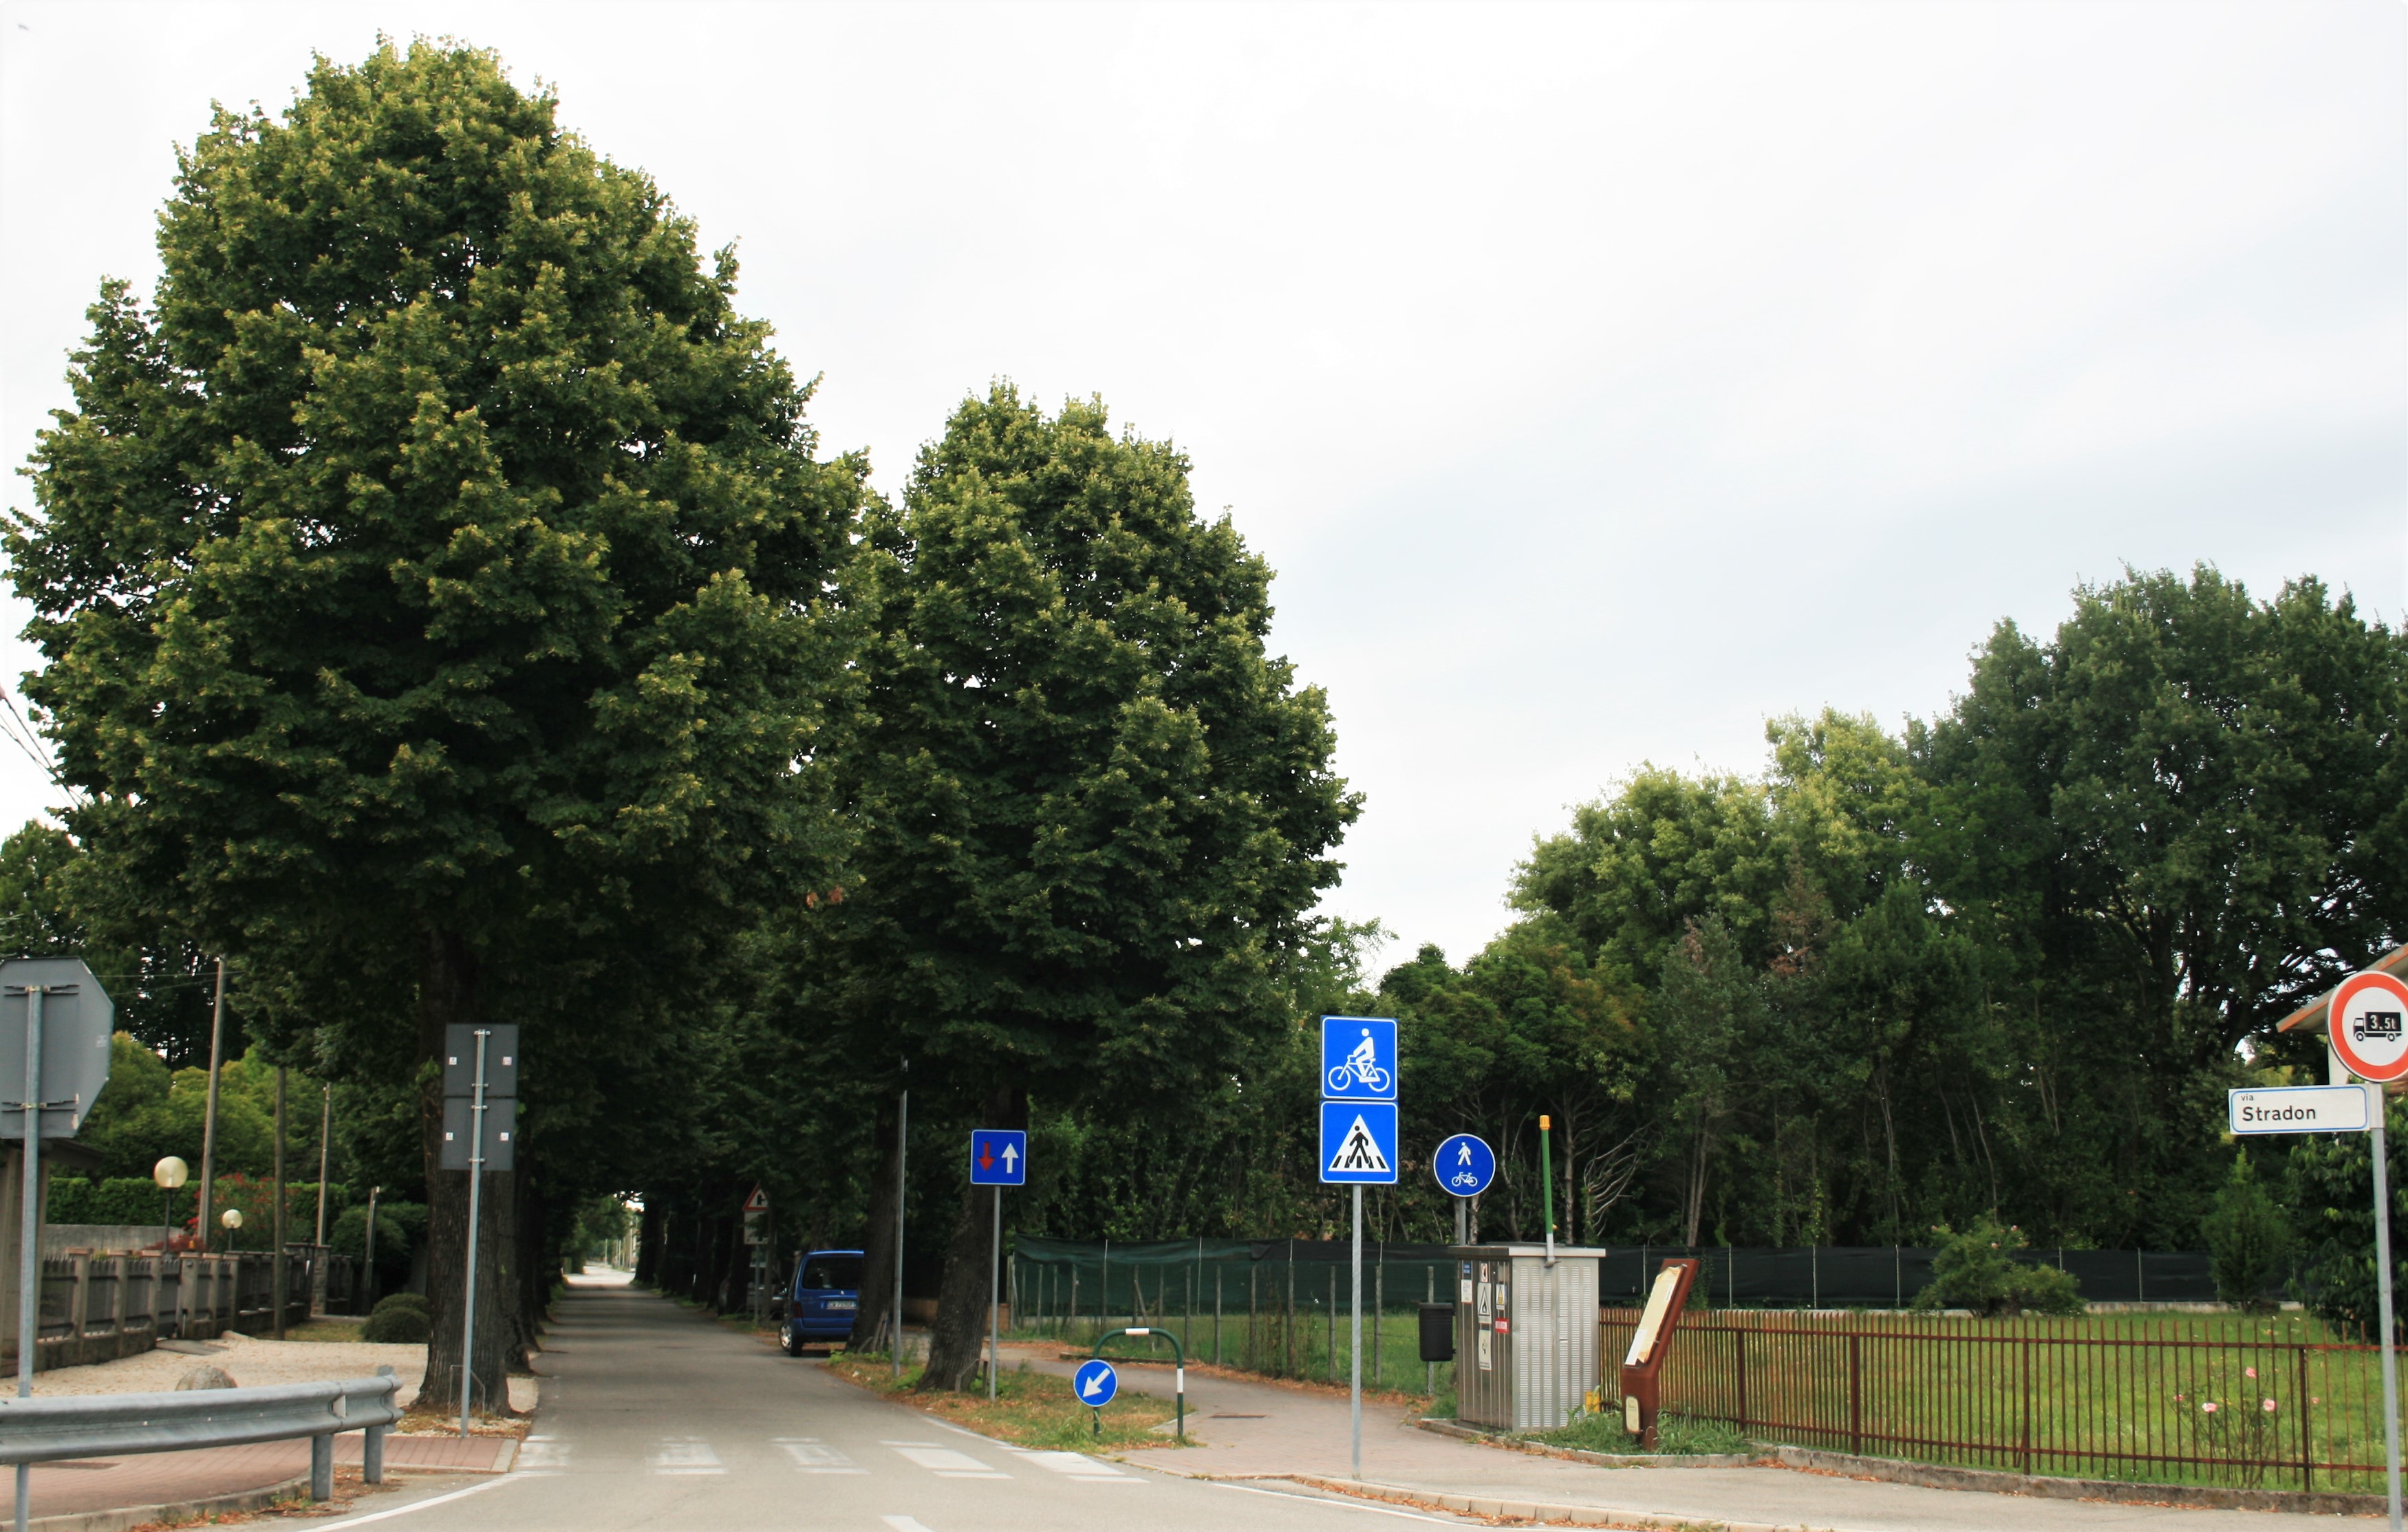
pixel 1526 1339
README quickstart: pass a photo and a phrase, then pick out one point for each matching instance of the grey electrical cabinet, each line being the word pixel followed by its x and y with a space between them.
pixel 1525 1333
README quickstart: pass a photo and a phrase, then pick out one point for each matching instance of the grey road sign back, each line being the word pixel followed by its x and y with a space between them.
pixel 501 1132
pixel 501 1059
pixel 77 1019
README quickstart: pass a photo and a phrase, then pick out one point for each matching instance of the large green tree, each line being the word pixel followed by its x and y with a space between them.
pixel 1093 810
pixel 426 579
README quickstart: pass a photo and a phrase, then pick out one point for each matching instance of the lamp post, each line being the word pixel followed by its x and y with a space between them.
pixel 170 1173
pixel 232 1219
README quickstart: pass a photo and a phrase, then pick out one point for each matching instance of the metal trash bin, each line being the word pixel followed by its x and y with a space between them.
pixel 1525 1335
pixel 1438 1332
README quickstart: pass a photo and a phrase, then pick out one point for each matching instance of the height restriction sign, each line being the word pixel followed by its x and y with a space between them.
pixel 2368 1025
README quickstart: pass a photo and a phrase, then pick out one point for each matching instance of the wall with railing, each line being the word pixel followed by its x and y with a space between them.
pixel 2273 1402
pixel 96 1307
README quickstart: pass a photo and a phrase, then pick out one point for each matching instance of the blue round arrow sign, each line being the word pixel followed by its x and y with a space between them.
pixel 1095 1382
pixel 1464 1165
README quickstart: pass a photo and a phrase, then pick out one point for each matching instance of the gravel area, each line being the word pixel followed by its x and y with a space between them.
pixel 252 1362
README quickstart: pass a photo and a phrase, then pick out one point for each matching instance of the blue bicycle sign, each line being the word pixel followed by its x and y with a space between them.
pixel 1464 1165
pixel 1358 1058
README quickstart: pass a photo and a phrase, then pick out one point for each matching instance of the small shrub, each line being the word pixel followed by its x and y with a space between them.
pixel 1977 1269
pixel 397 1327
pixel 2248 1238
pixel 416 1301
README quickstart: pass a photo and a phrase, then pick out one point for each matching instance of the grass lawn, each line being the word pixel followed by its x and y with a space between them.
pixel 1031 1408
pixel 1676 1434
pixel 1313 1350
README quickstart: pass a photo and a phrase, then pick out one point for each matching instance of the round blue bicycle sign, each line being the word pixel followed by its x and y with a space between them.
pixel 1463 1166
pixel 1095 1382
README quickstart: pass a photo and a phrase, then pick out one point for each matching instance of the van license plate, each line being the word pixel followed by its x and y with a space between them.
pixel 842 1305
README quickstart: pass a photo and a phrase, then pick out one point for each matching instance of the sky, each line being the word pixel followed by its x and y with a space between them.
pixel 1601 380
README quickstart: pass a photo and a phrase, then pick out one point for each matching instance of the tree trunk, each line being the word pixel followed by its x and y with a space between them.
pixel 534 1273
pixel 448 993
pixel 958 1337
pixel 877 1251
pixel 649 1231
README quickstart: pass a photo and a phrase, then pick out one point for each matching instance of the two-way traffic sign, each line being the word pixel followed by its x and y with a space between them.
pixel 1000 1157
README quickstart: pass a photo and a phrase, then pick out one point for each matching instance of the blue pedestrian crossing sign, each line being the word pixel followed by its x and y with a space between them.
pixel 1000 1157
pixel 1095 1382
pixel 1464 1165
pixel 1358 1058
pixel 1358 1142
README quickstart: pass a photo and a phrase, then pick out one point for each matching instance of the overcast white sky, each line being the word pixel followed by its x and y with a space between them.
pixel 1601 379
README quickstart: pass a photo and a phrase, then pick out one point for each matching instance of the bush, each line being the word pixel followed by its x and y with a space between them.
pixel 416 1301
pixel 398 1324
pixel 1977 1269
pixel 400 1228
pixel 2248 1238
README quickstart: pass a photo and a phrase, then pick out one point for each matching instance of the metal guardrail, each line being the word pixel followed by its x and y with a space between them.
pixel 75 1426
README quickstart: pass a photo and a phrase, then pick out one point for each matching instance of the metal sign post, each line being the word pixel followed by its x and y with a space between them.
pixel 1465 1166
pixel 999 1158
pixel 65 1052
pixel 2366 1027
pixel 480 1087
pixel 902 1183
pixel 1358 1147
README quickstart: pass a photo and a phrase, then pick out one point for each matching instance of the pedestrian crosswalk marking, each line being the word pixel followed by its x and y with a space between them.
pixel 903 1524
pixel 542 1452
pixel 685 1456
pixel 1359 1150
pixel 945 1463
pixel 812 1455
pixel 1079 1465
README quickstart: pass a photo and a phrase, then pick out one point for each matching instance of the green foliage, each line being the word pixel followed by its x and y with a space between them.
pixel 1676 1436
pixel 2249 1237
pixel 395 1302
pixel 1095 811
pixel 2330 1187
pixel 400 1226
pixel 1977 1270
pixel 397 1327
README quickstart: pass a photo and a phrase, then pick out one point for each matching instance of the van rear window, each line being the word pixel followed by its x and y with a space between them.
pixel 833 1271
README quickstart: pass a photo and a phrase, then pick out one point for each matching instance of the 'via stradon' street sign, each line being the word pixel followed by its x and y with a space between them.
pixel 2300 1109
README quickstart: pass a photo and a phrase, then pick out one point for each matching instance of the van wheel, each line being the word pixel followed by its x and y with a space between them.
pixel 788 1341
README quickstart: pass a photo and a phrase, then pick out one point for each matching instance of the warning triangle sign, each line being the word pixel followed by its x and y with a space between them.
pixel 757 1203
pixel 1359 1151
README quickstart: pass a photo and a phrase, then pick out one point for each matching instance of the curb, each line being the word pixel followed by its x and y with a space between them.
pixel 1602 1460
pixel 1529 1511
pixel 123 1517
pixel 2050 1487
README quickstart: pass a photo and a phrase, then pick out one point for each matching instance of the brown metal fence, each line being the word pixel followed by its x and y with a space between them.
pixel 2273 1402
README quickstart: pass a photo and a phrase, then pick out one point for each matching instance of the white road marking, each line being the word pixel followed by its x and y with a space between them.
pixel 543 1452
pixel 945 1463
pixel 1080 1465
pixel 1337 1500
pixel 812 1455
pixel 903 1524
pixel 685 1456
pixel 429 1502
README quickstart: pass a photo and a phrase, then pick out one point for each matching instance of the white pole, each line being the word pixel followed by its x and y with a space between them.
pixel 28 1235
pixel 994 1301
pixel 902 1178
pixel 1355 1385
pixel 2382 1307
pixel 476 1181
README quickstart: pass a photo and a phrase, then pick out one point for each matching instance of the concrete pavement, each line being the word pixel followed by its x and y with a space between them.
pixel 1255 1428
pixel 655 1417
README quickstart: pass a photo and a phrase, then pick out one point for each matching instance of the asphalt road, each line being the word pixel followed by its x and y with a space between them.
pixel 652 1417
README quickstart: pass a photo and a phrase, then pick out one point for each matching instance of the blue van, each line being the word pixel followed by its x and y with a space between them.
pixel 820 1305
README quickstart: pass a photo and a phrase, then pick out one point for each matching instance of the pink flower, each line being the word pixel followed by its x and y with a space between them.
pixel 2249 1372
pixel 2267 1407
pixel 2208 1409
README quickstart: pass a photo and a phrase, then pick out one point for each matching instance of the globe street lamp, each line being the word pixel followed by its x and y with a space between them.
pixel 169 1173
pixel 232 1219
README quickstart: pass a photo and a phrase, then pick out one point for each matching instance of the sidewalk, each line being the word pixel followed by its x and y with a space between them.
pixel 153 1479
pixel 1250 1430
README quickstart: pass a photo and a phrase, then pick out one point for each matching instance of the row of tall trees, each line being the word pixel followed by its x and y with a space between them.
pixel 448 617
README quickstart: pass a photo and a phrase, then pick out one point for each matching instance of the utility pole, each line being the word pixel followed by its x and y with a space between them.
pixel 275 1226
pixel 209 1114
pixel 902 1179
pixel 318 1262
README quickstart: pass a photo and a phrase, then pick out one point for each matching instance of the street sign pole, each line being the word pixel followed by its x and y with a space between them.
pixel 994 1301
pixel 29 1233
pixel 2383 1305
pixel 476 1185
pixel 902 1180
pixel 1355 1384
